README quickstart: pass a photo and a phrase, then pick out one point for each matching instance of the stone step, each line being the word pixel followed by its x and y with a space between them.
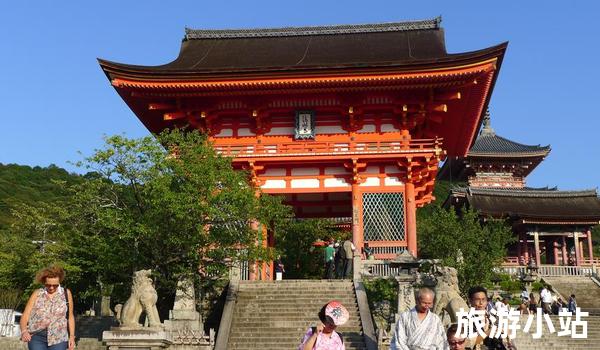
pixel 286 345
pixel 289 308
pixel 297 299
pixel 241 325
pixel 276 315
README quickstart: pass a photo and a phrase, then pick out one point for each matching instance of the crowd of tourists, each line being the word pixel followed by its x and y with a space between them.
pixel 338 257
pixel 419 328
pixel 549 304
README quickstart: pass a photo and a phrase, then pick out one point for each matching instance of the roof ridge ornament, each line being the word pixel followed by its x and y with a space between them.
pixel 487 125
pixel 192 34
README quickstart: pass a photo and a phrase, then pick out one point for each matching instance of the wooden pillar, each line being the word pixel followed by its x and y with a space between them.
pixel 519 250
pixel 576 245
pixel 411 219
pixel 536 245
pixel 265 265
pixel 565 258
pixel 581 254
pixel 357 224
pixel 555 250
pixel 590 246
pixel 526 247
pixel 252 274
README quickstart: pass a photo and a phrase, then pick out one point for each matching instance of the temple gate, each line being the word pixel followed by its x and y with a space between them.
pixel 346 122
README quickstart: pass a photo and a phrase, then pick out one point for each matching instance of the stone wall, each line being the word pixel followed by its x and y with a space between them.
pixel 11 343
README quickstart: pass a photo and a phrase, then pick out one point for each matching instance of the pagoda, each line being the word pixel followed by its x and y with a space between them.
pixel 345 121
pixel 548 223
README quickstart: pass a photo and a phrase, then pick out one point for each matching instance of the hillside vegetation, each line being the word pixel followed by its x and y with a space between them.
pixel 30 185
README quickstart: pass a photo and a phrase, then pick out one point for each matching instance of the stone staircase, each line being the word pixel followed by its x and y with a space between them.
pixel 525 341
pixel 587 293
pixel 274 315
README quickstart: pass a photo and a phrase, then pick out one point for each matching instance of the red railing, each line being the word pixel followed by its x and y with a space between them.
pixel 323 148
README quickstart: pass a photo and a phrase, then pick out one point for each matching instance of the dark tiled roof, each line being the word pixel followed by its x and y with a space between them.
pixel 404 44
pixel 194 34
pixel 490 144
pixel 496 145
pixel 518 191
pixel 541 204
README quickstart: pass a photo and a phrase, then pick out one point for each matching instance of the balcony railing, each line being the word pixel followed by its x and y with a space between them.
pixel 551 270
pixel 301 148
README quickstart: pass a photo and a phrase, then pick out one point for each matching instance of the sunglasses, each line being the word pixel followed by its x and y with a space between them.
pixel 459 342
pixel 51 285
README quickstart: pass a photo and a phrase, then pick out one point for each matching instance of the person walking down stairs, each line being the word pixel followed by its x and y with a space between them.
pixel 324 336
pixel 572 304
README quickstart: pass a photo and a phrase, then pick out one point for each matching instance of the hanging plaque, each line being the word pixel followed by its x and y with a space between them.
pixel 305 125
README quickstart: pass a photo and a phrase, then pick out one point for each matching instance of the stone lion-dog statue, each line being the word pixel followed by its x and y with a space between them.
pixel 143 298
pixel 447 294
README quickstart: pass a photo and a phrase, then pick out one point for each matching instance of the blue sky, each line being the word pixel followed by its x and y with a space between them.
pixel 56 100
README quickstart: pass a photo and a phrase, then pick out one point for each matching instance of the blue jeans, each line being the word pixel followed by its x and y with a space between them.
pixel 39 341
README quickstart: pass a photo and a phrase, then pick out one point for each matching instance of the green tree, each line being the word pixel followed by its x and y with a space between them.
pixel 169 203
pixel 34 186
pixel 461 241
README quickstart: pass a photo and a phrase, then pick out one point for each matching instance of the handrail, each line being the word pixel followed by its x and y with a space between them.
pixel 366 319
pixel 316 148
pixel 227 316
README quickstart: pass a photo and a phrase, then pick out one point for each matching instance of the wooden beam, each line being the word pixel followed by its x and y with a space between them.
pixel 160 106
pixel 174 115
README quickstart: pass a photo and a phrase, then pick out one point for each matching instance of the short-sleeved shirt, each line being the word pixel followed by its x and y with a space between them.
pixel 324 342
pixel 329 251
pixel 546 296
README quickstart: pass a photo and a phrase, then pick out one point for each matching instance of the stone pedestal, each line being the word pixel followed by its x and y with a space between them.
pixel 105 306
pixel 184 325
pixel 406 293
pixel 123 338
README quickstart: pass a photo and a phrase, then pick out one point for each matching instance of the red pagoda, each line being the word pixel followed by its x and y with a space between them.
pixel 551 225
pixel 346 121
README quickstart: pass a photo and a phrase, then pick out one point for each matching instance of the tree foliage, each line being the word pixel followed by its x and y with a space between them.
pixel 169 203
pixel 22 184
pixel 461 241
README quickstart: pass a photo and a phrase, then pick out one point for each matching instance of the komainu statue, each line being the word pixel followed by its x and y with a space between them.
pixel 447 294
pixel 143 298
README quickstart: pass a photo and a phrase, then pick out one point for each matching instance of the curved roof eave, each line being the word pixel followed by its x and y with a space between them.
pixel 163 72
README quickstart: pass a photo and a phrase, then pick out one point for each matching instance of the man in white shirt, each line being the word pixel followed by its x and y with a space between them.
pixel 419 328
pixel 546 297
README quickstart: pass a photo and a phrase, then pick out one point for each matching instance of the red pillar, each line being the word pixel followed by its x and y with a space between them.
pixel 581 254
pixel 252 274
pixel 565 259
pixel 519 250
pixel 576 245
pixel 590 247
pixel 536 244
pixel 555 250
pixel 411 219
pixel 525 248
pixel 357 224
